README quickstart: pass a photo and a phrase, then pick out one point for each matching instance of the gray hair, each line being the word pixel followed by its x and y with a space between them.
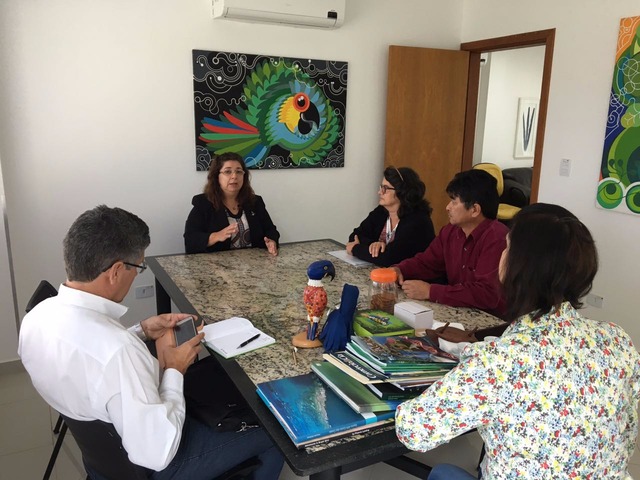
pixel 99 238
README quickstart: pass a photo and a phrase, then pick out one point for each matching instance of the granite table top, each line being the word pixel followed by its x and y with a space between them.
pixel 268 291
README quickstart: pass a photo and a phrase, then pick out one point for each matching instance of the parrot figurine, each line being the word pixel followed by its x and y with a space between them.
pixel 314 296
pixel 284 107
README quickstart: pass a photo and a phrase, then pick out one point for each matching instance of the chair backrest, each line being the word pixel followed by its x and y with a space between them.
pixel 495 172
pixel 102 450
pixel 43 291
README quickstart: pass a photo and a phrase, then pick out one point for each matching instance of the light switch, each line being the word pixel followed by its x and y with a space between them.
pixel 565 167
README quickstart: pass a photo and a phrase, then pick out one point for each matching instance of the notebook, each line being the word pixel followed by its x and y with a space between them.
pixel 228 336
pixel 350 259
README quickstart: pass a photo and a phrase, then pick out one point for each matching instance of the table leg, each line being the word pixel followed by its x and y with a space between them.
pixel 331 474
pixel 163 301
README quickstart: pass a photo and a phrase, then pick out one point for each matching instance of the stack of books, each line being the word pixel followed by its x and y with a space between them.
pixel 354 390
pixel 405 362
pixel 311 412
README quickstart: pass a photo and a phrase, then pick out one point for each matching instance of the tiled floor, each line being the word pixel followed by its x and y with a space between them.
pixel 26 440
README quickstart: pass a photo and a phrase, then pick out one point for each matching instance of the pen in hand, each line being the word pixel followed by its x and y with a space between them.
pixel 247 342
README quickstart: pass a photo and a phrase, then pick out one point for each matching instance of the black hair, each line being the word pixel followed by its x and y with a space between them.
pixel 476 186
pixel 409 189
pixel 552 258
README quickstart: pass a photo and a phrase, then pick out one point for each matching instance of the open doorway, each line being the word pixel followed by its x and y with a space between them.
pixel 476 49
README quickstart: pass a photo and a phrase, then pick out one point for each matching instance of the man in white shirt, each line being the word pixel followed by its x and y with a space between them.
pixel 87 366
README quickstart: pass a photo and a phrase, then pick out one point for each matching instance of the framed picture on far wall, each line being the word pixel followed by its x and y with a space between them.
pixel 527 123
pixel 276 112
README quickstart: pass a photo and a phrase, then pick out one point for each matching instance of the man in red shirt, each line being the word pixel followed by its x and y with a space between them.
pixel 465 254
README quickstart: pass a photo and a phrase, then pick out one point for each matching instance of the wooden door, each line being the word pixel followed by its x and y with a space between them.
pixel 426 104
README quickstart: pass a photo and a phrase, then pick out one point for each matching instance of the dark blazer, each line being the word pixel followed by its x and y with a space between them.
pixel 413 235
pixel 203 220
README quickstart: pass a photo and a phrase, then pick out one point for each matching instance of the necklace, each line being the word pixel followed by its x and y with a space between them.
pixel 388 231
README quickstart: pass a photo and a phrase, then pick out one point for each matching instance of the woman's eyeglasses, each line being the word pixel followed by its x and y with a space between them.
pixel 228 173
pixel 384 188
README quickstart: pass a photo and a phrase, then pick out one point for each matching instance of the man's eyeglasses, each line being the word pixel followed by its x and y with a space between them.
pixel 384 188
pixel 141 268
pixel 228 173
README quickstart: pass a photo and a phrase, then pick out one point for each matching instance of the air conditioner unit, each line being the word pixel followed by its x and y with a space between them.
pixel 298 13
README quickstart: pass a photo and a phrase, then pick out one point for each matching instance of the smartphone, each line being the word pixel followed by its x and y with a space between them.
pixel 184 330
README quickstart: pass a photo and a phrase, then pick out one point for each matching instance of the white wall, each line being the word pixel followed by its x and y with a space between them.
pixel 585 47
pixel 8 319
pixel 97 108
pixel 512 74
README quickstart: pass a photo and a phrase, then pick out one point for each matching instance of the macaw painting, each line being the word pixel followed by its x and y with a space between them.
pixel 275 112
pixel 619 186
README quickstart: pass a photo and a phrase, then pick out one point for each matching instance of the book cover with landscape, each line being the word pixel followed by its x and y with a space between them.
pixel 378 322
pixel 310 411
pixel 403 349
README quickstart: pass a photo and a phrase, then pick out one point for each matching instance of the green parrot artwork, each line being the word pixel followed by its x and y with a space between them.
pixel 281 111
pixel 620 171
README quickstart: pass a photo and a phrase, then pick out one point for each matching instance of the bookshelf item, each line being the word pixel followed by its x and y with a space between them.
pixel 354 393
pixel 234 336
pixel 367 323
pixel 310 412
pixel 388 391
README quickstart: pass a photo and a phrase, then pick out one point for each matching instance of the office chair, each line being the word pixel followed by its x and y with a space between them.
pixel 43 291
pixel 506 212
pixel 102 451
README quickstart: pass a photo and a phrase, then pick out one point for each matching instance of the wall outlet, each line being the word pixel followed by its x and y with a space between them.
pixel 145 291
pixel 595 300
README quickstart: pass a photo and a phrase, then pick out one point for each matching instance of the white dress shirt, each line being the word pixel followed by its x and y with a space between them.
pixel 87 366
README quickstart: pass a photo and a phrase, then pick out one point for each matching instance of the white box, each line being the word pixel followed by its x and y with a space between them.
pixel 414 314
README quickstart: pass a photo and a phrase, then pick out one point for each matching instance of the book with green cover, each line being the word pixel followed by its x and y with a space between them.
pixel 354 393
pixel 378 322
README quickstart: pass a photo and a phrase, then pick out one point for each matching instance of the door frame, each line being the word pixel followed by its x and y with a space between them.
pixel 509 42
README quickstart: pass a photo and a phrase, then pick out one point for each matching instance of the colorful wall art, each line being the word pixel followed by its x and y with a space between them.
pixel 619 185
pixel 276 112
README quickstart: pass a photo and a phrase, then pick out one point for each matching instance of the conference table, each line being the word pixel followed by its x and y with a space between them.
pixel 267 290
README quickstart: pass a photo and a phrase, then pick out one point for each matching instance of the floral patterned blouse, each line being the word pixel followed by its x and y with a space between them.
pixel 553 398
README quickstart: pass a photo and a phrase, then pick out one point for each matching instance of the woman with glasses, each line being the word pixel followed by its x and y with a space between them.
pixel 556 395
pixel 229 214
pixel 400 226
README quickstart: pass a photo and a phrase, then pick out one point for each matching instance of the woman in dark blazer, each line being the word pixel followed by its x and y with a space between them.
pixel 400 226
pixel 229 214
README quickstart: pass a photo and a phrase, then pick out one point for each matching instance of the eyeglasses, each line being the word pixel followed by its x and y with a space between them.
pixel 141 268
pixel 384 188
pixel 227 173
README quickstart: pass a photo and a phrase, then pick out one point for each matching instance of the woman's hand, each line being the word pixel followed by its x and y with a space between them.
pixel 376 248
pixel 272 246
pixel 226 233
pixel 350 245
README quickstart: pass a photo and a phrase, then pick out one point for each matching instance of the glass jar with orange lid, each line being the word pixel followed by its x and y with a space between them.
pixel 383 293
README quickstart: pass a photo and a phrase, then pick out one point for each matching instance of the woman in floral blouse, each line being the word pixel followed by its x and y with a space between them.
pixel 554 397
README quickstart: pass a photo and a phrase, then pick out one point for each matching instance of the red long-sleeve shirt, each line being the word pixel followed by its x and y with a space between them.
pixel 470 265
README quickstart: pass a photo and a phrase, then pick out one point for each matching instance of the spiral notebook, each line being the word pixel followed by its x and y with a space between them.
pixel 235 336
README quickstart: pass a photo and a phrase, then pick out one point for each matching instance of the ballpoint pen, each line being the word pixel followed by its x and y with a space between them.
pixel 247 342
